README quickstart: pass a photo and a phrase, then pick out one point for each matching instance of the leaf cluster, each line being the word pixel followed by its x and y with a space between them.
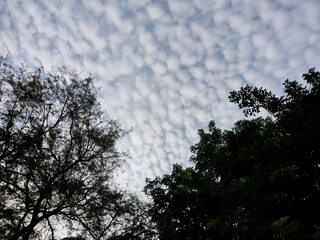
pixel 259 180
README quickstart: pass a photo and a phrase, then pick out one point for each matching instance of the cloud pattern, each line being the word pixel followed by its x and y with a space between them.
pixel 166 67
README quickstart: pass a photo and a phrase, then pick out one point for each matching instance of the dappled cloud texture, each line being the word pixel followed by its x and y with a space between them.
pixel 166 67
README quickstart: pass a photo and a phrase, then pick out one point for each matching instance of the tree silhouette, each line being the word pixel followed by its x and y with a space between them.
pixel 259 180
pixel 57 155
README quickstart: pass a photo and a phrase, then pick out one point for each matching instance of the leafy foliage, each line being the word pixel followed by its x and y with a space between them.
pixel 57 155
pixel 259 180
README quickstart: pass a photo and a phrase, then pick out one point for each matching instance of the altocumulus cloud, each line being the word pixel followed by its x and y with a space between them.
pixel 166 67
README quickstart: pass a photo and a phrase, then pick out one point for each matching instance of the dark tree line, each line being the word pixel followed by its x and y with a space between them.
pixel 57 155
pixel 259 180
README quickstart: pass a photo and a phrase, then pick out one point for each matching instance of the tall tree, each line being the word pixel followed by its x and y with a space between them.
pixel 57 155
pixel 259 180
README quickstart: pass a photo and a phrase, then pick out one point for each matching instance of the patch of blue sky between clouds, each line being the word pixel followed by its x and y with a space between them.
pixel 166 67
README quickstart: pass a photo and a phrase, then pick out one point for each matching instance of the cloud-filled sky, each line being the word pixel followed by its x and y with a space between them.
pixel 166 67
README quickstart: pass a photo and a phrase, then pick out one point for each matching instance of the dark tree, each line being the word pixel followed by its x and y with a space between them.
pixel 57 155
pixel 260 180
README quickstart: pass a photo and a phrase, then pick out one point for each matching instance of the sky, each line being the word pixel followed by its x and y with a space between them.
pixel 166 67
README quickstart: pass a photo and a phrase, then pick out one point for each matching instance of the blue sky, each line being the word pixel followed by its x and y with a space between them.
pixel 166 67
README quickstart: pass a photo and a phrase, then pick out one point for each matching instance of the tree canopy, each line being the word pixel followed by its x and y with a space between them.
pixel 57 155
pixel 259 180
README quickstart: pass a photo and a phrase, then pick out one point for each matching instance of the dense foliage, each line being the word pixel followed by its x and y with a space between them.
pixel 57 155
pixel 260 180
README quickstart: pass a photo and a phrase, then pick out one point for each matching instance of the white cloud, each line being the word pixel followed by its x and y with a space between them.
pixel 154 11
pixel 159 68
pixel 245 49
pixel 237 23
pixel 161 31
pixel 189 91
pixel 274 52
pixel 173 63
pixel 182 9
pixel 309 12
pixel 281 20
pixel 138 3
pixel 204 5
pixel 114 14
pixel 208 38
pixel 259 40
pixel 147 41
pixel 136 139
pixel 166 67
pixel 143 85
pixel 198 72
pixel 215 64
pixel 312 57
pixel 188 58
